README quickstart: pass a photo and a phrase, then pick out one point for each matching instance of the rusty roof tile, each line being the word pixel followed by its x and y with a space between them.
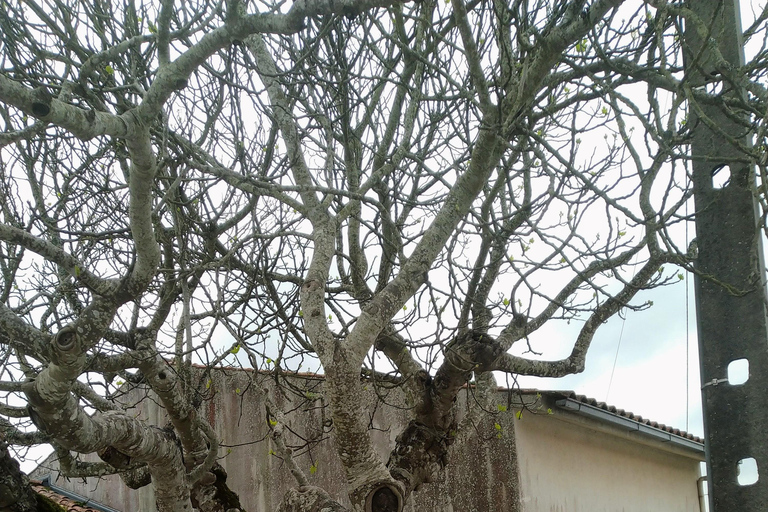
pixel 68 504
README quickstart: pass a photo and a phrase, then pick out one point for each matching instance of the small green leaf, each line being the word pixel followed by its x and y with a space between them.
pixel 272 422
pixel 109 69
pixel 229 450
pixel 519 414
pixel 502 408
pixel 235 349
pixel 405 308
pixel 269 360
pixel 237 391
pixel 301 313
pixel 549 410
pixel 313 469
pixel 208 384
pixel 497 426
pixel 581 46
pixel 505 301
pixel 680 276
pixel 622 233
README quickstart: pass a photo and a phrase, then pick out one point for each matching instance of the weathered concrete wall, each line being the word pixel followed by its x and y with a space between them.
pixel 477 479
pixel 567 463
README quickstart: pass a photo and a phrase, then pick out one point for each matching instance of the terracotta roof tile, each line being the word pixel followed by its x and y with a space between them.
pixel 68 504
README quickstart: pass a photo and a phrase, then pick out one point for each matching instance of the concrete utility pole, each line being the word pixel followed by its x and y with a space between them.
pixel 730 292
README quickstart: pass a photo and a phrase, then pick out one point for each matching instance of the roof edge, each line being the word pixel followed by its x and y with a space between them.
pixel 632 425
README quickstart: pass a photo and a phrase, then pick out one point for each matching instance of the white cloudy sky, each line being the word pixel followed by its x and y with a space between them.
pixel 655 353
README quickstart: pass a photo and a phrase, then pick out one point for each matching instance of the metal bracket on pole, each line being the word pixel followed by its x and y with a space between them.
pixel 713 382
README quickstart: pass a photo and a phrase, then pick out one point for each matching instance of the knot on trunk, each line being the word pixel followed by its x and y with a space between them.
pixel 384 498
pixel 66 347
pixel 215 492
pixel 473 350
pixel 41 102
pixel 136 478
pixel 420 453
pixel 114 457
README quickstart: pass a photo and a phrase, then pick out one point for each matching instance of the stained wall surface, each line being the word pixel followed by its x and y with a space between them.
pixel 566 464
pixel 572 464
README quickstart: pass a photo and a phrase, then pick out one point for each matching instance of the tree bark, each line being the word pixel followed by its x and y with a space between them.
pixel 16 495
pixel 309 499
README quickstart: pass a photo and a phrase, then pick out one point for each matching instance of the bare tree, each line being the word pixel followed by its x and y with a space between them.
pixel 404 190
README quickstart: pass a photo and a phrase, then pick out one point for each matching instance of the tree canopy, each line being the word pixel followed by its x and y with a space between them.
pixel 408 191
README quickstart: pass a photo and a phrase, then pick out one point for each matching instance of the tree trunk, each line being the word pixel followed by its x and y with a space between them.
pixel 15 493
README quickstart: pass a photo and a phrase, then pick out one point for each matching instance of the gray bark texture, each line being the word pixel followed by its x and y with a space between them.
pixel 15 493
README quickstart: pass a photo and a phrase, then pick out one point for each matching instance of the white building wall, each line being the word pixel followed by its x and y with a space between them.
pixel 570 464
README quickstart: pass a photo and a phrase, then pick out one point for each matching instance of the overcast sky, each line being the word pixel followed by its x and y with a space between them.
pixel 651 366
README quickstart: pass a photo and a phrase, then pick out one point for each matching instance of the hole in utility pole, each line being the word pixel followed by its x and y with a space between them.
pixel 738 372
pixel 746 471
pixel 721 176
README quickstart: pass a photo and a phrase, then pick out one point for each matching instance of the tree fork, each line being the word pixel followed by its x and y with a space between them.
pixel 731 321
